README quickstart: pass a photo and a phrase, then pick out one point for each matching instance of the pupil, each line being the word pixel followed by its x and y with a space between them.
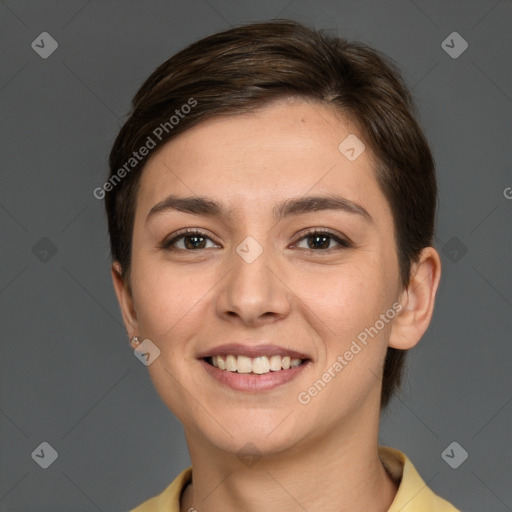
pixel 194 244
pixel 324 242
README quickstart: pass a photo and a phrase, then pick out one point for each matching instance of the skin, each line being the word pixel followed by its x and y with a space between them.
pixel 319 456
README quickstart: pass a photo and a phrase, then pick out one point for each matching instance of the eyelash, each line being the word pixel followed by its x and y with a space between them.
pixel 344 243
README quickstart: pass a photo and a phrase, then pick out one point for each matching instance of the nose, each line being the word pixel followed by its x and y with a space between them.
pixel 254 292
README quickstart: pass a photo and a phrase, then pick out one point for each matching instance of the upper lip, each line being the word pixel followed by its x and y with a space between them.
pixel 252 351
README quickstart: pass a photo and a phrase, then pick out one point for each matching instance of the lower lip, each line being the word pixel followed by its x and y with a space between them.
pixel 251 381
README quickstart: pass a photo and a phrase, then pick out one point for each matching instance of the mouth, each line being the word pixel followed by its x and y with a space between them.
pixel 254 365
pixel 253 368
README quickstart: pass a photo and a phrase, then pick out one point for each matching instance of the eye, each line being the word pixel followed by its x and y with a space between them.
pixel 321 240
pixel 188 240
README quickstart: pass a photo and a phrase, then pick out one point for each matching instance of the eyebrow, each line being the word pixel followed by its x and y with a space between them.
pixel 289 207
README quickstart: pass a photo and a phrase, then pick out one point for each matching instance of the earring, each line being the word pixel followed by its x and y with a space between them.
pixel 135 340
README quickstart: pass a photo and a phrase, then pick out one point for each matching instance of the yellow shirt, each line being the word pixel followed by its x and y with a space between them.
pixel 413 494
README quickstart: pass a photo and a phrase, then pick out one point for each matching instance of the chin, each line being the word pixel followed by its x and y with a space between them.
pixel 266 435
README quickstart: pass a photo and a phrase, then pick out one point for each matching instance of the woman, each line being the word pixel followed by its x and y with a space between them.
pixel 271 206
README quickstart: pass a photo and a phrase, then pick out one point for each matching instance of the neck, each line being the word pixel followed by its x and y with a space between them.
pixel 334 472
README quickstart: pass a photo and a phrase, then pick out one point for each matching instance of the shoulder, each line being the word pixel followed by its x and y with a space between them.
pixel 169 499
pixel 413 493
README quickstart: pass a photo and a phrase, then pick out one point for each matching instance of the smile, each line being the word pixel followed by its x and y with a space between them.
pixel 255 365
pixel 243 373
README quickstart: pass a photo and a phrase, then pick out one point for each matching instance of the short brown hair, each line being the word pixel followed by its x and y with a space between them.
pixel 246 67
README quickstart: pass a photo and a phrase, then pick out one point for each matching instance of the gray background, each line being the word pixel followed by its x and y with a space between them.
pixel 67 374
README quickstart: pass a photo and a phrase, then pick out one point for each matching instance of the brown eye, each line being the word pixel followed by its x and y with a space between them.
pixel 321 240
pixel 194 242
pixel 189 241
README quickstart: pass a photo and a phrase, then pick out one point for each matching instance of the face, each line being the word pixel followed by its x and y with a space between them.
pixel 232 256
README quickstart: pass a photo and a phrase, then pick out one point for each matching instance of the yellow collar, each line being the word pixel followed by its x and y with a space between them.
pixel 413 494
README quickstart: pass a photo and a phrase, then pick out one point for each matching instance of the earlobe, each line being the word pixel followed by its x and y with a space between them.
pixel 417 301
pixel 124 297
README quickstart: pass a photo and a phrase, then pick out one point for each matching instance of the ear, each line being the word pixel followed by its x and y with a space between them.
pixel 125 299
pixel 417 301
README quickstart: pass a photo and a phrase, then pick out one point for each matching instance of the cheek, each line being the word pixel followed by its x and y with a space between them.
pixel 345 309
pixel 170 312
pixel 346 299
pixel 166 302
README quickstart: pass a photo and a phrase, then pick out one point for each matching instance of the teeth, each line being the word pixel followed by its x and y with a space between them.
pixel 258 365
pixel 275 363
pixel 231 363
pixel 243 364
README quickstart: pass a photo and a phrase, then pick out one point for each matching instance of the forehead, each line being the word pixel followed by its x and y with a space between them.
pixel 290 147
